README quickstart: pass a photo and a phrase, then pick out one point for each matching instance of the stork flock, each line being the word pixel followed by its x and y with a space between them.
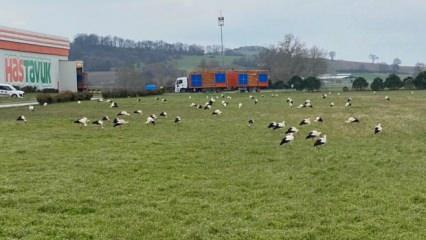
pixel 119 119
pixel 319 138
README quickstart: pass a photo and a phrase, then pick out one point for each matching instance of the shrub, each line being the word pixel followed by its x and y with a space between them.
pixel 312 83
pixel 393 82
pixel 345 89
pixel 296 82
pixel 49 90
pixel 278 85
pixel 377 84
pixel 123 93
pixel 409 83
pixel 360 84
pixel 63 97
pixel 420 81
pixel 29 89
pixel 44 98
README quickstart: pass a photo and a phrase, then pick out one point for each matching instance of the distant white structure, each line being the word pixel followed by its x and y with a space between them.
pixel 340 79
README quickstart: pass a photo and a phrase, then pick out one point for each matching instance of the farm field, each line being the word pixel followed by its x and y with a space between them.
pixel 213 177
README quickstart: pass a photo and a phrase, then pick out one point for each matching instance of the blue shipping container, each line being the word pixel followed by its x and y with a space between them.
pixel 263 77
pixel 243 79
pixel 220 77
pixel 196 80
pixel 150 87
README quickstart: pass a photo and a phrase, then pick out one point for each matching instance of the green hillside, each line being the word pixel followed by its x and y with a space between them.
pixel 190 63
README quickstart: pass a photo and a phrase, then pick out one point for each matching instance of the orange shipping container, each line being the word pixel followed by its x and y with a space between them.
pixel 232 79
pixel 252 78
pixel 209 79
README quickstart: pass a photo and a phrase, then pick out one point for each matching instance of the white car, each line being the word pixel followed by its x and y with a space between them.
pixel 7 90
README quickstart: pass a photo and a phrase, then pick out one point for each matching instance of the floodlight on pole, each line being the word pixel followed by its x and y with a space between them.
pixel 221 23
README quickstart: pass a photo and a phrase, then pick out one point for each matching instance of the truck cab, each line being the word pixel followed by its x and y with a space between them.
pixel 181 84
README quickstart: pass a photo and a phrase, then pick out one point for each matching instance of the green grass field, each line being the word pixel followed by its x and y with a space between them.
pixel 213 177
pixel 29 97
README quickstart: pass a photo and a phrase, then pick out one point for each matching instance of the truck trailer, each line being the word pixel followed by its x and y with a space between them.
pixel 220 80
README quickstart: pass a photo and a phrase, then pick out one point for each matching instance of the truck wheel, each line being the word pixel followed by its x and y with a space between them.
pixel 14 96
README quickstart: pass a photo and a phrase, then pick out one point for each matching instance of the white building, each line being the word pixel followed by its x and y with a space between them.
pixel 35 59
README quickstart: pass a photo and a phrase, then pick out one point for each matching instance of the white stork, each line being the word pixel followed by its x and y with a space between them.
pixel 82 121
pixel 21 118
pixel 123 113
pixel 313 134
pixel 348 104
pixel 250 122
pixel 217 112
pixel 99 123
pixel 150 120
pixel 287 139
pixel 378 128
pixel 352 120
pixel 319 119
pixel 306 121
pixel 114 105
pixel 292 130
pixel 320 141
pixel 118 122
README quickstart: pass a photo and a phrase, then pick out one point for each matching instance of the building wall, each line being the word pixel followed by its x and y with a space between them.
pixel 29 69
pixel 103 80
pixel 67 75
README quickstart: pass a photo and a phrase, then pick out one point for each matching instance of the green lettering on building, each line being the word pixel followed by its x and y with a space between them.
pixel 37 72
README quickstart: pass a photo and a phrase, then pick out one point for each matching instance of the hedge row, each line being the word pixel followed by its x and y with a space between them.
pixel 122 93
pixel 63 97
pixel 33 89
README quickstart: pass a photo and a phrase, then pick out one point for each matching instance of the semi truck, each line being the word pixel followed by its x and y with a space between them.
pixel 220 80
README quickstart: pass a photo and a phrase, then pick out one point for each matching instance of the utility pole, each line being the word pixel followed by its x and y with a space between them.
pixel 221 23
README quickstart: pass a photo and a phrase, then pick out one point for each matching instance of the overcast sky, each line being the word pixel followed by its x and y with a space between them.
pixel 352 28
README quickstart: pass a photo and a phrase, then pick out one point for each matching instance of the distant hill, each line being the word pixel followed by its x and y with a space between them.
pixel 248 50
pixel 191 63
pixel 105 53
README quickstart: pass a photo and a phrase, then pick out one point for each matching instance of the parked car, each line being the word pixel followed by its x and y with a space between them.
pixel 7 90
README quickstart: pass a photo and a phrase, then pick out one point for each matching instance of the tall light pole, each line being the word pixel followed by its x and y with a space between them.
pixel 221 23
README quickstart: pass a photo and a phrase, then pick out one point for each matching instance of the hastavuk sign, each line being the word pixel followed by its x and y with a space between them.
pixel 28 71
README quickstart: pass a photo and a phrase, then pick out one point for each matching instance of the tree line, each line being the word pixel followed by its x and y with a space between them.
pixel 298 83
pixel 392 82
pixel 103 53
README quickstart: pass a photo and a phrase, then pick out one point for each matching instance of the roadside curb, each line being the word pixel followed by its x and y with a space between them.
pixel 12 105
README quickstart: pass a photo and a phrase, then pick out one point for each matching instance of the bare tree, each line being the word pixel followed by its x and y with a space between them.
pixel 291 57
pixel 373 58
pixel 419 68
pixel 395 65
pixel 332 55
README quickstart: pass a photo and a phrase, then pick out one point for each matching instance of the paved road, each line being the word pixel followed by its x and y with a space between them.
pixel 11 105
